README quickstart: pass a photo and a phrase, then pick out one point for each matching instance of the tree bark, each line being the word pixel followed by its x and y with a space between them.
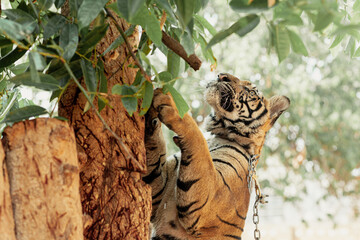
pixel 117 203
pixel 7 227
pixel 44 179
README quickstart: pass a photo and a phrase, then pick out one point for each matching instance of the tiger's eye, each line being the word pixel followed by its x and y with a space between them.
pixel 225 79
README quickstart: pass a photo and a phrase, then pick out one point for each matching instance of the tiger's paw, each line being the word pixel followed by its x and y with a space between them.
pixel 152 123
pixel 165 105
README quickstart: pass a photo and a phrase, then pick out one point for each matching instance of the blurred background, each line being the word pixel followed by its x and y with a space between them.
pixel 310 163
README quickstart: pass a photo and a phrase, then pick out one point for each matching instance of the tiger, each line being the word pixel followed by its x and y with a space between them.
pixel 202 192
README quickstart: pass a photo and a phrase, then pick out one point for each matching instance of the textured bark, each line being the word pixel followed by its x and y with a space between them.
pixel 7 227
pixel 44 179
pixel 116 202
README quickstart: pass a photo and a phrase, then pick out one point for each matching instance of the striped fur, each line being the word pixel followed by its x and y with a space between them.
pixel 201 192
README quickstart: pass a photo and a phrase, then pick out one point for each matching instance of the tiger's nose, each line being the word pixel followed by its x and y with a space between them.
pixel 223 77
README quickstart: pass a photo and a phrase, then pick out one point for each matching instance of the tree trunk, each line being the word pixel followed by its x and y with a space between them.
pixel 44 179
pixel 116 201
pixel 7 227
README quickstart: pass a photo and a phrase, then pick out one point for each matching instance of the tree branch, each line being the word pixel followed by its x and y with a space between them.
pixel 177 48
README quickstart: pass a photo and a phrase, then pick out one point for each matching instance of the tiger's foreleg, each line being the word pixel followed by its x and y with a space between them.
pixel 196 177
pixel 155 157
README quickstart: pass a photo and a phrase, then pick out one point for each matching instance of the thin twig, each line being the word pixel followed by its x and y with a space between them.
pixel 137 62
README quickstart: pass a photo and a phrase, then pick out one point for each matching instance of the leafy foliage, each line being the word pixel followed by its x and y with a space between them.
pixel 71 40
pixel 55 50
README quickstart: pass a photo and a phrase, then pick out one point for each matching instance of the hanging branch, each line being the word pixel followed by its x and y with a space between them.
pixel 177 48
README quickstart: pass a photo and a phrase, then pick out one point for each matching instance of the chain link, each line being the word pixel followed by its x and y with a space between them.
pixel 252 171
pixel 259 197
pixel 256 219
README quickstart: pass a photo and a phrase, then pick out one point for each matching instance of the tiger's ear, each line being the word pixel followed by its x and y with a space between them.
pixel 278 104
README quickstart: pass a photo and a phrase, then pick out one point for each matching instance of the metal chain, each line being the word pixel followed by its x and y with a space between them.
pixel 252 178
pixel 252 171
pixel 256 219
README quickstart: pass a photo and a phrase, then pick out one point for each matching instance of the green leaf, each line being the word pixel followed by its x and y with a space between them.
pixel 286 13
pixel 88 11
pixel 282 42
pixel 39 61
pixel 74 6
pixel 205 24
pixel 90 80
pixel 102 83
pixel 19 68
pixel 15 14
pixel 92 38
pixel 69 40
pixel 55 94
pixel 13 30
pixel 127 97
pixel 356 6
pixel 323 19
pixel 241 27
pixel 297 44
pixel 3 84
pixel 89 75
pixel 14 4
pixel 180 103
pixel 34 75
pixel 357 52
pixel 207 52
pixel 130 8
pixel 337 40
pixel 45 4
pixel 59 3
pixel 11 101
pixel 101 77
pixel 117 89
pixel 120 40
pixel 24 113
pixel 185 10
pixel 164 4
pixel 53 26
pixel 130 104
pixel 351 47
pixel 61 118
pixel 350 29
pixel 149 22
pixel 165 77
pixel 46 81
pixel 188 43
pixel 199 4
pixel 138 79
pixel 245 6
pixel 4 43
pixel 173 63
pixel 147 98
pixel 5 50
pixel 11 57
pixel 62 75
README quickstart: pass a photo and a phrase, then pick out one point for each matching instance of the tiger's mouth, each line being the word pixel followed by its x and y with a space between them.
pixel 226 98
pixel 220 94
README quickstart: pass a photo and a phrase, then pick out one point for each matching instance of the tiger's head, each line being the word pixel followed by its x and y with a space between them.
pixel 240 107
